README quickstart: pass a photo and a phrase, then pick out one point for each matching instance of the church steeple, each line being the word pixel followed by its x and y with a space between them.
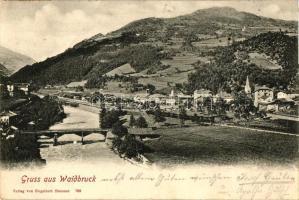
pixel 247 86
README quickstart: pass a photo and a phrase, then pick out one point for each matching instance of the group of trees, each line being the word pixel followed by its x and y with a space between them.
pixel 138 86
pixel 128 146
pixel 158 115
pixel 140 122
pixel 109 118
pixel 243 106
pixel 43 113
pixel 124 143
pixel 19 149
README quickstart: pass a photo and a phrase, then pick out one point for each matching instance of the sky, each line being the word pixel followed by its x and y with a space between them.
pixel 42 29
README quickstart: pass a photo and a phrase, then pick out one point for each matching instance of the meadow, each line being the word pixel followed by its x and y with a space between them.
pixel 221 145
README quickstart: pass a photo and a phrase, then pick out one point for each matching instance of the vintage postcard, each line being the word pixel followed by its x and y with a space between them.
pixel 149 100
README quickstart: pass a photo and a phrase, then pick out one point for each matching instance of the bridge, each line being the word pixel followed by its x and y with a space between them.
pixel 55 134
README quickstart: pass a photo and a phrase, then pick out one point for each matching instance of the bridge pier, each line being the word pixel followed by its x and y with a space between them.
pixel 82 138
pixel 55 140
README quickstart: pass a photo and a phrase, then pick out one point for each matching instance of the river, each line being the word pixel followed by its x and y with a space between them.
pixel 70 148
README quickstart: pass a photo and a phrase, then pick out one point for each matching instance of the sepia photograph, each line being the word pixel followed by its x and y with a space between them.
pixel 149 99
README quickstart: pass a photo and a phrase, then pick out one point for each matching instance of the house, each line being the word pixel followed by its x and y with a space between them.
pixel 10 89
pixel 141 98
pixel 278 105
pixel 285 104
pixel 23 87
pixel 199 95
pixel 7 117
pixel 158 98
pixel 184 99
pixel 263 95
pixel 227 97
pixel 76 84
pixel 282 95
pixel 170 102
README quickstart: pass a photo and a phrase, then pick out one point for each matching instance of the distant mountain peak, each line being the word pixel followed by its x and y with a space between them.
pixel 226 12
pixel 12 60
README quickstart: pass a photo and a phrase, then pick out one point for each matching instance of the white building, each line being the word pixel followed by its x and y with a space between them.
pixel 227 97
pixel 141 98
pixel 199 95
pixel 282 95
pixel 6 116
pixel 158 98
pixel 263 95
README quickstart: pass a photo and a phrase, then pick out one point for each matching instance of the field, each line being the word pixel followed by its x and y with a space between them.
pixel 214 42
pixel 261 60
pixel 121 70
pixel 180 67
pixel 221 145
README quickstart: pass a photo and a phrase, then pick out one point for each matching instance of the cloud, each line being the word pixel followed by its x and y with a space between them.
pixel 49 32
pixel 43 29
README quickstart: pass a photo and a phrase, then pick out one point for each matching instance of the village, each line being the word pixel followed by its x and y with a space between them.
pixel 142 118
pixel 264 99
pixel 260 102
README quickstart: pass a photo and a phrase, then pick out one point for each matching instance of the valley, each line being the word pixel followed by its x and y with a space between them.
pixel 217 86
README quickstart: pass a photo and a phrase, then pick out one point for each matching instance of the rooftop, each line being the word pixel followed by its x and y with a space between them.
pixel 8 113
pixel 262 88
pixel 202 91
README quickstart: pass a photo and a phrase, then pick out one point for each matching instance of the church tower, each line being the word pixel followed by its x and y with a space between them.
pixel 247 86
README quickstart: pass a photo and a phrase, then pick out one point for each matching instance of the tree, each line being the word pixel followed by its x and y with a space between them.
pixel 102 115
pixel 131 146
pixel 118 129
pixel 151 88
pixel 182 116
pixel 141 122
pixel 243 105
pixel 116 142
pixel 158 115
pixel 132 121
pixel 109 119
pixel 220 106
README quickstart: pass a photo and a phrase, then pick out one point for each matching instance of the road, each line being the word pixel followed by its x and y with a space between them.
pixel 285 117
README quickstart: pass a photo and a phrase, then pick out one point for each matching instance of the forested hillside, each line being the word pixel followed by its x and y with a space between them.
pixel 167 47
pixel 232 64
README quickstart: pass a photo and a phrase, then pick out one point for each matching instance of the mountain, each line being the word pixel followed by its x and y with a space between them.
pixel 162 51
pixel 13 61
pixel 3 70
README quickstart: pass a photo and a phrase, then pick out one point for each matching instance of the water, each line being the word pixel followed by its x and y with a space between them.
pixel 70 148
